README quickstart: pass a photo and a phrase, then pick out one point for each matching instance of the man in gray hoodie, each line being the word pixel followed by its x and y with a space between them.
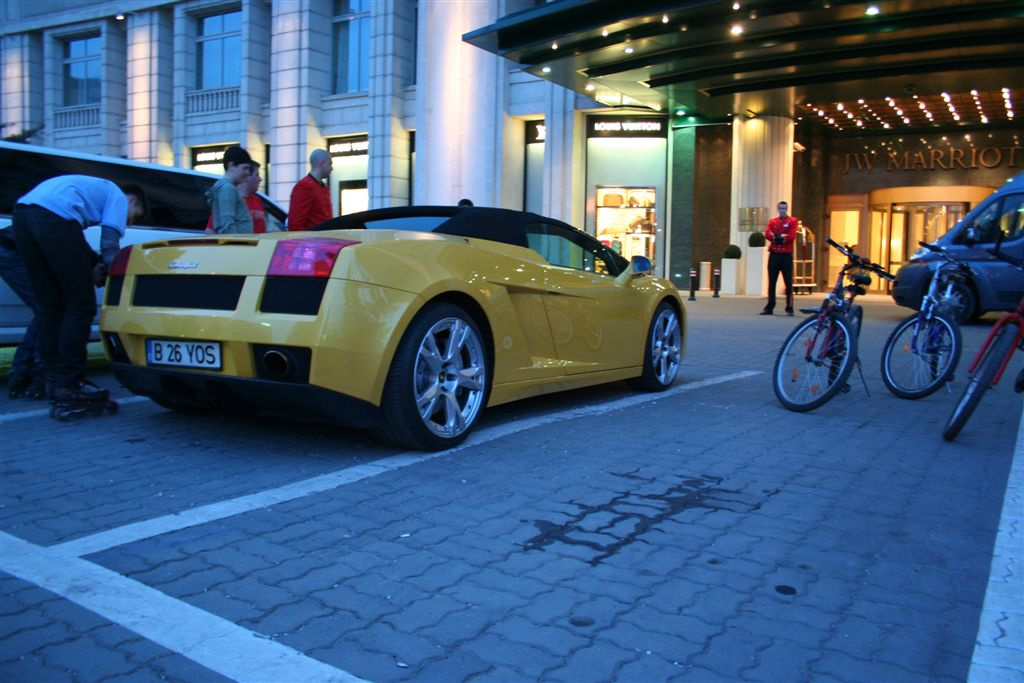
pixel 230 214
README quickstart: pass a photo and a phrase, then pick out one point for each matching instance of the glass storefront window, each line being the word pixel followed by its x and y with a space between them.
pixel 626 220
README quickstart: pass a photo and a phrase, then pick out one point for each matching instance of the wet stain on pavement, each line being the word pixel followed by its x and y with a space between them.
pixel 608 527
pixel 785 590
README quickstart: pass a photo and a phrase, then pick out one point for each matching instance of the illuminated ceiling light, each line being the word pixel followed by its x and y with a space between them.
pixel 839 106
pixel 604 33
pixel 736 29
pixel 849 114
pixel 546 69
pixel 860 101
pixel 906 121
pixel 872 10
pixel 885 125
pixel 974 93
pixel 680 112
pixel 956 117
pixel 945 96
pixel 736 5
pixel 554 46
pixel 119 17
pixel 589 87
pixel 984 119
pixel 664 18
pixel 684 28
pixel 629 50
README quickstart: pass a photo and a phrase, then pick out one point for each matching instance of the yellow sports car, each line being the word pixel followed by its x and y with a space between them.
pixel 407 321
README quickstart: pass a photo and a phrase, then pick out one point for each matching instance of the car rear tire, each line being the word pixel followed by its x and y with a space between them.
pixel 662 351
pixel 438 381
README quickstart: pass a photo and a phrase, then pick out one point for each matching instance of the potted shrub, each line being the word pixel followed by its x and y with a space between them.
pixel 757 264
pixel 732 282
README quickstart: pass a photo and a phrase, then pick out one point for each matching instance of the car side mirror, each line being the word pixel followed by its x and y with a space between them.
pixel 641 264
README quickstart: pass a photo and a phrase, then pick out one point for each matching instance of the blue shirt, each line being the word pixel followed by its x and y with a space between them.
pixel 83 199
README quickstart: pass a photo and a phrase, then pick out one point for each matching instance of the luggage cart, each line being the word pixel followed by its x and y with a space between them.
pixel 803 261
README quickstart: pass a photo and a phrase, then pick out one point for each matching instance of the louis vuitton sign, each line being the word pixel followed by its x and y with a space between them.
pixel 938 159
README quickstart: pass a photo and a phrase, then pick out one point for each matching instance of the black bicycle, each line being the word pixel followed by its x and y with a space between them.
pixel 922 352
pixel 818 356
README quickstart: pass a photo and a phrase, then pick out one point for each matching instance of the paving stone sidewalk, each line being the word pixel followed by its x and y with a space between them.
pixel 708 535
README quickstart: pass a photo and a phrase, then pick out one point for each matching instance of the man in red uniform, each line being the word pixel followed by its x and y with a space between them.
pixel 781 234
pixel 311 200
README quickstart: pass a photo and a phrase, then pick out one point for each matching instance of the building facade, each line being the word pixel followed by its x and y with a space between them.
pixel 412 113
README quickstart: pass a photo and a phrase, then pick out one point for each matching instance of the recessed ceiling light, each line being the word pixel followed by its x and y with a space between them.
pixel 872 10
pixel 554 46
pixel 629 50
pixel 735 5
pixel 604 33
pixel 736 29
pixel 589 87
pixel 546 69
pixel 664 18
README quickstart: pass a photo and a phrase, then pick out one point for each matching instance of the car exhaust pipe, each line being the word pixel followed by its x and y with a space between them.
pixel 278 364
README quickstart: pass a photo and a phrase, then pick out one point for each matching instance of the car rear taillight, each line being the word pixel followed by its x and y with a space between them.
pixel 119 266
pixel 306 257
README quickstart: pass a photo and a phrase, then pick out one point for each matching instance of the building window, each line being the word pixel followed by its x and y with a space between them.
pixel 82 71
pixel 351 60
pixel 219 53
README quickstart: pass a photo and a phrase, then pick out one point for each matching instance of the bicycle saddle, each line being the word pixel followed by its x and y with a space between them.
pixel 860 279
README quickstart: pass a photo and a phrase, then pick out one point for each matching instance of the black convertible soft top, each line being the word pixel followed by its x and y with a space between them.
pixel 498 225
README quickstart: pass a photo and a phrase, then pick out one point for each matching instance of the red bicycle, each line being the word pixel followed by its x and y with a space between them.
pixel 991 361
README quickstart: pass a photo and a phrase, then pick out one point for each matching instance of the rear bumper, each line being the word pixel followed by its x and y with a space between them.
pixel 252 396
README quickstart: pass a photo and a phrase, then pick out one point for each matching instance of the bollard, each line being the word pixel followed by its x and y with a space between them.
pixel 718 282
pixel 693 284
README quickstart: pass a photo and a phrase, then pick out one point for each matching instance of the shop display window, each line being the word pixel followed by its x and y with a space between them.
pixel 626 220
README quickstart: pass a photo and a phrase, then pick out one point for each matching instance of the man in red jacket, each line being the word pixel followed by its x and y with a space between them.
pixel 781 234
pixel 311 200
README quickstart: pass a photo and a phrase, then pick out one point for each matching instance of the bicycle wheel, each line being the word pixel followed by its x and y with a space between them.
pixel 914 368
pixel 814 363
pixel 981 380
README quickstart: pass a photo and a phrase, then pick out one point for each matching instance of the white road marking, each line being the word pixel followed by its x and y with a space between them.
pixel 40 412
pixel 206 639
pixel 205 514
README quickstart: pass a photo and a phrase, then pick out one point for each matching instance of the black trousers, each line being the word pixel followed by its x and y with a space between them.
pixel 59 263
pixel 780 263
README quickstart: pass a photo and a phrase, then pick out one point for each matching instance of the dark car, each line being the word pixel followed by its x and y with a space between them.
pixel 994 285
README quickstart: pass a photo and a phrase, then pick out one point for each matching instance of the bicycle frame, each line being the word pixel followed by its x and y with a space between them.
pixel 1015 318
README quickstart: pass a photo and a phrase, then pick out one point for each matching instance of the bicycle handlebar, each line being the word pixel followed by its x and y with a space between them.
pixel 860 261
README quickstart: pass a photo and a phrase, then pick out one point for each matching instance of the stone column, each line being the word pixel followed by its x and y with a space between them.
pixel 22 84
pixel 762 173
pixel 392 35
pixel 299 78
pixel 564 172
pixel 150 52
pixel 459 122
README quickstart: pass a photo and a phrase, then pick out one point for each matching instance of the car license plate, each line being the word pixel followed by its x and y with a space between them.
pixel 186 354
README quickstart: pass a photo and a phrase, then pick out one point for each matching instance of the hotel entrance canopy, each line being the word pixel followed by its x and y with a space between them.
pixel 708 60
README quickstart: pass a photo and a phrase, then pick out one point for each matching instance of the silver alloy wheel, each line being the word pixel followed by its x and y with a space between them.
pixel 666 345
pixel 450 377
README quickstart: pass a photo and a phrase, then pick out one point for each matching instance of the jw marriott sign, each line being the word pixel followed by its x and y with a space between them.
pixel 944 159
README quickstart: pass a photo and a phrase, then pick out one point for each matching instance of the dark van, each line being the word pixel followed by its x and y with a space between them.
pixel 176 197
pixel 994 285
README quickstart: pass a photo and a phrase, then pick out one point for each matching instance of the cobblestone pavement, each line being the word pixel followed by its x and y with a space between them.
pixel 703 534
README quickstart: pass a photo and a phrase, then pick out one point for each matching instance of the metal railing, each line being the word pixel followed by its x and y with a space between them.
pixel 211 101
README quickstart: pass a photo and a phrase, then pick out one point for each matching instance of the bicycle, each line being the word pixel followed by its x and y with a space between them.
pixel 818 356
pixel 987 368
pixel 923 350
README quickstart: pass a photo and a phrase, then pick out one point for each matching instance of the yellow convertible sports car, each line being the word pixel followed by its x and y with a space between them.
pixel 407 321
